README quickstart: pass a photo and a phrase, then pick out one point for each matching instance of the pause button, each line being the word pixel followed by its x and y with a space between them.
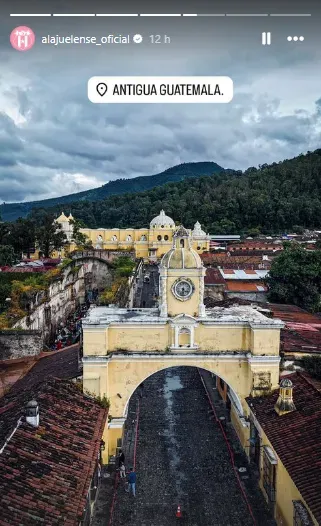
pixel 266 39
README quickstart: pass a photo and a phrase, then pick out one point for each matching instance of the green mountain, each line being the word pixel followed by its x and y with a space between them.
pixel 11 211
pixel 273 198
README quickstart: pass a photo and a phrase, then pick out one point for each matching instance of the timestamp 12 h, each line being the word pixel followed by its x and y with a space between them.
pixel 160 39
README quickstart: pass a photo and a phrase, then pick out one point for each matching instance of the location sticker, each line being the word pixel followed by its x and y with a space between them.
pixel 101 88
pixel 109 90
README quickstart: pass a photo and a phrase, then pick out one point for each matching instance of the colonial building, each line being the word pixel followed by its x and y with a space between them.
pixel 122 347
pixel 148 243
pixel 285 443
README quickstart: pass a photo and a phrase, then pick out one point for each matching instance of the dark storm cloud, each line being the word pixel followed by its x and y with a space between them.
pixel 53 141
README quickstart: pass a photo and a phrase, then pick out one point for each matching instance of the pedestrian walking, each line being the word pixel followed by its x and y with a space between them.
pixel 132 482
pixel 122 470
pixel 121 458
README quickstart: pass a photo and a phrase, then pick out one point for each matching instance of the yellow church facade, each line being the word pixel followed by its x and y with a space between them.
pixel 148 243
pixel 123 347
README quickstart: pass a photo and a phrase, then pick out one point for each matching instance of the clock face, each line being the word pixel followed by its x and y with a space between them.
pixel 183 289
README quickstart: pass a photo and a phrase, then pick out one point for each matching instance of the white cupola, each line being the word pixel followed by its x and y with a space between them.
pixel 162 221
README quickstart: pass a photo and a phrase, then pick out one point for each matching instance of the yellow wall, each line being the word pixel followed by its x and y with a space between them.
pixel 228 338
pixel 138 338
pixel 141 247
pixel 242 432
pixel 95 342
pixel 99 341
pixel 264 341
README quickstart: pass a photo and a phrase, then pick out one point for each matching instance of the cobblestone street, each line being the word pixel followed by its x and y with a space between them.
pixel 182 459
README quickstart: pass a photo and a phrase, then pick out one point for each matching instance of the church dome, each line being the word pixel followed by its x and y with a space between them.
pixel 162 221
pixel 178 258
pixel 198 232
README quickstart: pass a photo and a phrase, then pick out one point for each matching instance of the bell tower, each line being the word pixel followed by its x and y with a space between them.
pixel 182 278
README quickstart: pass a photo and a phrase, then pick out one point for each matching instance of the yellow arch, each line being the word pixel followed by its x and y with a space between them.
pixel 237 398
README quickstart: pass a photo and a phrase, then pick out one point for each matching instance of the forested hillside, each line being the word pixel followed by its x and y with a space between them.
pixel 273 198
pixel 11 211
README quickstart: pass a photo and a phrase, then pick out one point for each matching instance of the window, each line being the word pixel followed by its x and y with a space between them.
pixel 182 243
pixel 159 238
pixel 162 226
pixel 301 516
pixel 166 238
pixel 198 248
pixel 269 472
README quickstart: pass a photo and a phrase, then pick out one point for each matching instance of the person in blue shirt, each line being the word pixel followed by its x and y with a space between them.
pixel 132 482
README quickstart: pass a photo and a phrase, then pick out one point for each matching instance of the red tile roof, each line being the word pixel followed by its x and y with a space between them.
pixel 62 364
pixel 235 261
pixel 213 277
pixel 45 472
pixel 293 314
pixel 244 286
pixel 296 437
pixel 303 341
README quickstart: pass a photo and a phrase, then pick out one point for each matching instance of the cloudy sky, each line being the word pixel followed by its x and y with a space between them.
pixel 54 141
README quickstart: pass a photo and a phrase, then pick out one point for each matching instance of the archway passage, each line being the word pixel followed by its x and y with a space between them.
pixel 181 459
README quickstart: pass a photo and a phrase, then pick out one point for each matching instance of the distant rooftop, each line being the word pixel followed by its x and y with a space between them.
pixel 226 237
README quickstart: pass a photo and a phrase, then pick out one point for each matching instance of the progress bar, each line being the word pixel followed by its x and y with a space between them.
pixel 162 14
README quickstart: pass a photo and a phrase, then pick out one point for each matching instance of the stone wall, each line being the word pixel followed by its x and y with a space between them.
pixel 97 274
pixel 214 292
pixel 250 296
pixel 106 255
pixel 51 307
pixel 133 283
pixel 20 343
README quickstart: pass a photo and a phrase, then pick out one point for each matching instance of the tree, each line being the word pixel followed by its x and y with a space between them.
pixel 295 277
pixel 312 364
pixel 7 256
pixel 22 236
pixel 49 235
pixel 4 231
pixel 78 237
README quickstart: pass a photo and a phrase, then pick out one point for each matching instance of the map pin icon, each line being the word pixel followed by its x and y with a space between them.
pixel 101 88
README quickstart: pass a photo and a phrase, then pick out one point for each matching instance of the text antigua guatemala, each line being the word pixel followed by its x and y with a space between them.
pixel 167 89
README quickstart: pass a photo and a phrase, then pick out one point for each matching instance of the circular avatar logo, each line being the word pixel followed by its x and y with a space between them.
pixel 22 38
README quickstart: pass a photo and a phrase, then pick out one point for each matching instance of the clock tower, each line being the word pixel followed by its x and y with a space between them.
pixel 181 278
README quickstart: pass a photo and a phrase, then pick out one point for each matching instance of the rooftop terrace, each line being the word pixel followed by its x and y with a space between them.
pixel 233 314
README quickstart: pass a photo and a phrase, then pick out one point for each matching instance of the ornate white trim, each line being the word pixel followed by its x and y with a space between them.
pixel 183 319
pixel 271 324
pixel 259 360
pixel 198 356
